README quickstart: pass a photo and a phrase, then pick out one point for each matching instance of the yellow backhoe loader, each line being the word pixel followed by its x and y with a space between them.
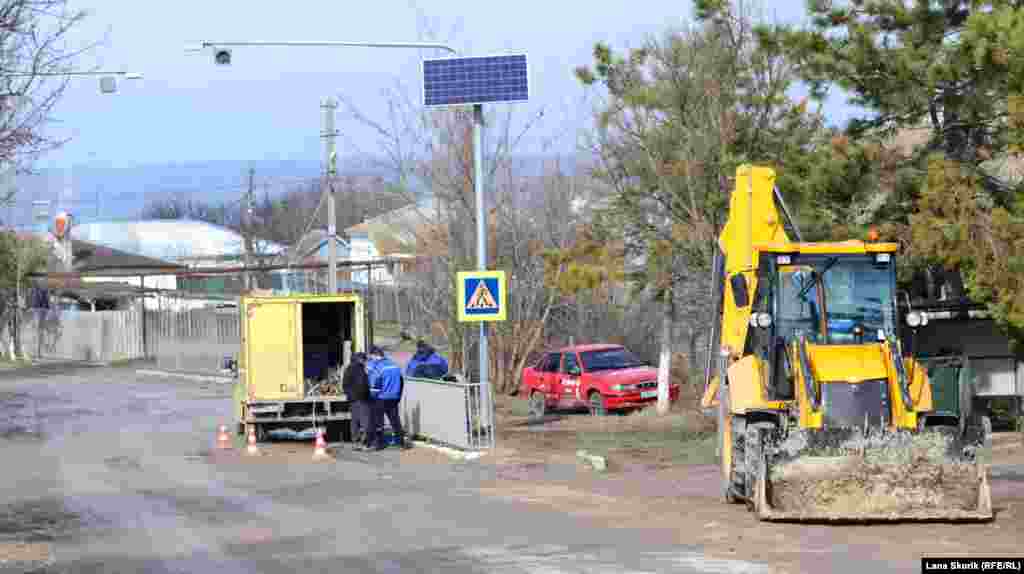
pixel 820 414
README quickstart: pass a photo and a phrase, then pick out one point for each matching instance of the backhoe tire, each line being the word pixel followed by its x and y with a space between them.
pixel 755 437
pixel 730 449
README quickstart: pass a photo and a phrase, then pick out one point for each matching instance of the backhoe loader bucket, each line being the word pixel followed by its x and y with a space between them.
pixel 914 510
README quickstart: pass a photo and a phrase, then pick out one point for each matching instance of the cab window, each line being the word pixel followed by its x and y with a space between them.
pixel 550 364
pixel 571 366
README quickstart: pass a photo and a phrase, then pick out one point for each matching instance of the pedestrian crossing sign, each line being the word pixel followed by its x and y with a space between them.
pixel 482 296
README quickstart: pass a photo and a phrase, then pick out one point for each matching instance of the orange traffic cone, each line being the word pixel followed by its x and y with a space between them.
pixel 252 442
pixel 223 440
pixel 320 446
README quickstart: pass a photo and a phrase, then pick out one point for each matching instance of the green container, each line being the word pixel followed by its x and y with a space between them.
pixel 950 379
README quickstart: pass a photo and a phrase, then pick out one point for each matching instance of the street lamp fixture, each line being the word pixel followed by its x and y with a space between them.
pixel 222 52
pixel 108 80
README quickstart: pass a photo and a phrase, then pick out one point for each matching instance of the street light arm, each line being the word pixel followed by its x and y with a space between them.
pixel 128 75
pixel 413 45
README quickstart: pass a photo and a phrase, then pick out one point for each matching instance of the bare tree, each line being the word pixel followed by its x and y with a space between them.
pixel 35 55
pixel 432 150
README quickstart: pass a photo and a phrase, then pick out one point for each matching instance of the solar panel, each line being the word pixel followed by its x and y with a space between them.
pixel 478 80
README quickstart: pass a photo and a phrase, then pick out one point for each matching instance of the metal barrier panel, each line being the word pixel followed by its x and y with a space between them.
pixel 81 335
pixel 450 413
pixel 194 340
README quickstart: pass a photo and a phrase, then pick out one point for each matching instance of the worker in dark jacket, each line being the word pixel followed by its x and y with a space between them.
pixel 356 384
pixel 426 363
pixel 386 391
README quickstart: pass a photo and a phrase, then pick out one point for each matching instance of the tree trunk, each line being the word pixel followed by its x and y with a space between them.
pixel 693 352
pixel 665 360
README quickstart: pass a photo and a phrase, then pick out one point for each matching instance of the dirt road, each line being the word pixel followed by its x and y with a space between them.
pixel 107 471
pixel 537 465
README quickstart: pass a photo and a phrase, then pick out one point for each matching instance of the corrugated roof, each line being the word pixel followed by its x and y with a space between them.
pixel 90 256
pixel 167 239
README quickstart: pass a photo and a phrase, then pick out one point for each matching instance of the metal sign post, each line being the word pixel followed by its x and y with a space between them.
pixel 475 81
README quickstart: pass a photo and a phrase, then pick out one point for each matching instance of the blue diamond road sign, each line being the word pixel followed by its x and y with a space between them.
pixel 478 80
pixel 482 296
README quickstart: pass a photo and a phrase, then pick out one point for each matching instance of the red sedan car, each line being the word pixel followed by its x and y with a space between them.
pixel 601 378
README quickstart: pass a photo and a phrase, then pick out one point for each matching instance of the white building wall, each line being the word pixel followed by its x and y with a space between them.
pixel 362 249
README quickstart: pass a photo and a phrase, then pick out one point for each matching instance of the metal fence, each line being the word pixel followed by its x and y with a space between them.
pixel 101 336
pixel 453 414
pixel 194 341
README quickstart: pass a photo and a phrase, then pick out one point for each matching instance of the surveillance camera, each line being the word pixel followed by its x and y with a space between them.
pixel 222 56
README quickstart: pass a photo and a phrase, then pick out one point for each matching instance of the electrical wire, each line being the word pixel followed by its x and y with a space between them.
pixel 309 226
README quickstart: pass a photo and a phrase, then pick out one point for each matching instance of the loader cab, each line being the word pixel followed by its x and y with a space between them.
pixel 826 298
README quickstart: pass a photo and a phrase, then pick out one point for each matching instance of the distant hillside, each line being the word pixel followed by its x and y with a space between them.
pixel 113 193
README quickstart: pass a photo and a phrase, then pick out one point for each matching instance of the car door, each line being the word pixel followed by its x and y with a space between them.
pixel 569 379
pixel 549 375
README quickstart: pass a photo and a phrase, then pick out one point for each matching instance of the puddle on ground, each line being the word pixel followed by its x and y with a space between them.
pixel 43 520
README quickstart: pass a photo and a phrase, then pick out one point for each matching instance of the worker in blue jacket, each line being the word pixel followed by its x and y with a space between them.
pixel 386 383
pixel 426 363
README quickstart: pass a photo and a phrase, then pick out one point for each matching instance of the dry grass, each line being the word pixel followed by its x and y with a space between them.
pixel 681 437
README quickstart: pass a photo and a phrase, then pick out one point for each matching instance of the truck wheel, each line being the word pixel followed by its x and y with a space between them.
pixel 537 405
pixel 597 407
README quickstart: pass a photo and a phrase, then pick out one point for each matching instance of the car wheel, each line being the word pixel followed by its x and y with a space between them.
pixel 537 405
pixel 597 407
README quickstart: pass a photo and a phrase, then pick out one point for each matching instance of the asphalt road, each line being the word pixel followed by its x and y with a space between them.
pixel 104 470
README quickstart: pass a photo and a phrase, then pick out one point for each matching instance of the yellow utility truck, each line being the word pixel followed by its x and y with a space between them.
pixel 821 416
pixel 293 349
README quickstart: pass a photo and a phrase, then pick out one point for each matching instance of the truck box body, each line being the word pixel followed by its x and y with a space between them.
pixel 286 340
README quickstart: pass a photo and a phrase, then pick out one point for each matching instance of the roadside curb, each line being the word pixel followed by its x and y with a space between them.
pixel 451 452
pixel 186 376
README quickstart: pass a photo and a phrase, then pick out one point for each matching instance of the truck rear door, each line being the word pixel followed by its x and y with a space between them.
pixel 273 368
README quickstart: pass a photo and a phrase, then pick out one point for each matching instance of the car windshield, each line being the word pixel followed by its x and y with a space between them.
pixel 857 293
pixel 609 359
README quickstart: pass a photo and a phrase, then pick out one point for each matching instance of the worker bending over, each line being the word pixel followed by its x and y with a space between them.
pixel 426 363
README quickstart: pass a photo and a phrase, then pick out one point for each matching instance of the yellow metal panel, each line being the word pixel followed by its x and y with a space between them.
pixel 736 320
pixel 753 218
pixel 847 363
pixel 306 298
pixel 745 384
pixel 241 381
pixel 274 363
pixel 920 389
pixel 829 248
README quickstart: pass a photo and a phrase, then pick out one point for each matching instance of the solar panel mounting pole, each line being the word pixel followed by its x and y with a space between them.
pixel 481 249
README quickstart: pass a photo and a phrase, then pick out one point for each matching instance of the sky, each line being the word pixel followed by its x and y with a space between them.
pixel 266 105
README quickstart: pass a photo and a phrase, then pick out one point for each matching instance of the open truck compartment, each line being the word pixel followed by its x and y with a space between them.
pixel 294 350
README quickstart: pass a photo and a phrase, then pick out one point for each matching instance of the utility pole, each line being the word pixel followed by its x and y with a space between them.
pixel 247 231
pixel 330 164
